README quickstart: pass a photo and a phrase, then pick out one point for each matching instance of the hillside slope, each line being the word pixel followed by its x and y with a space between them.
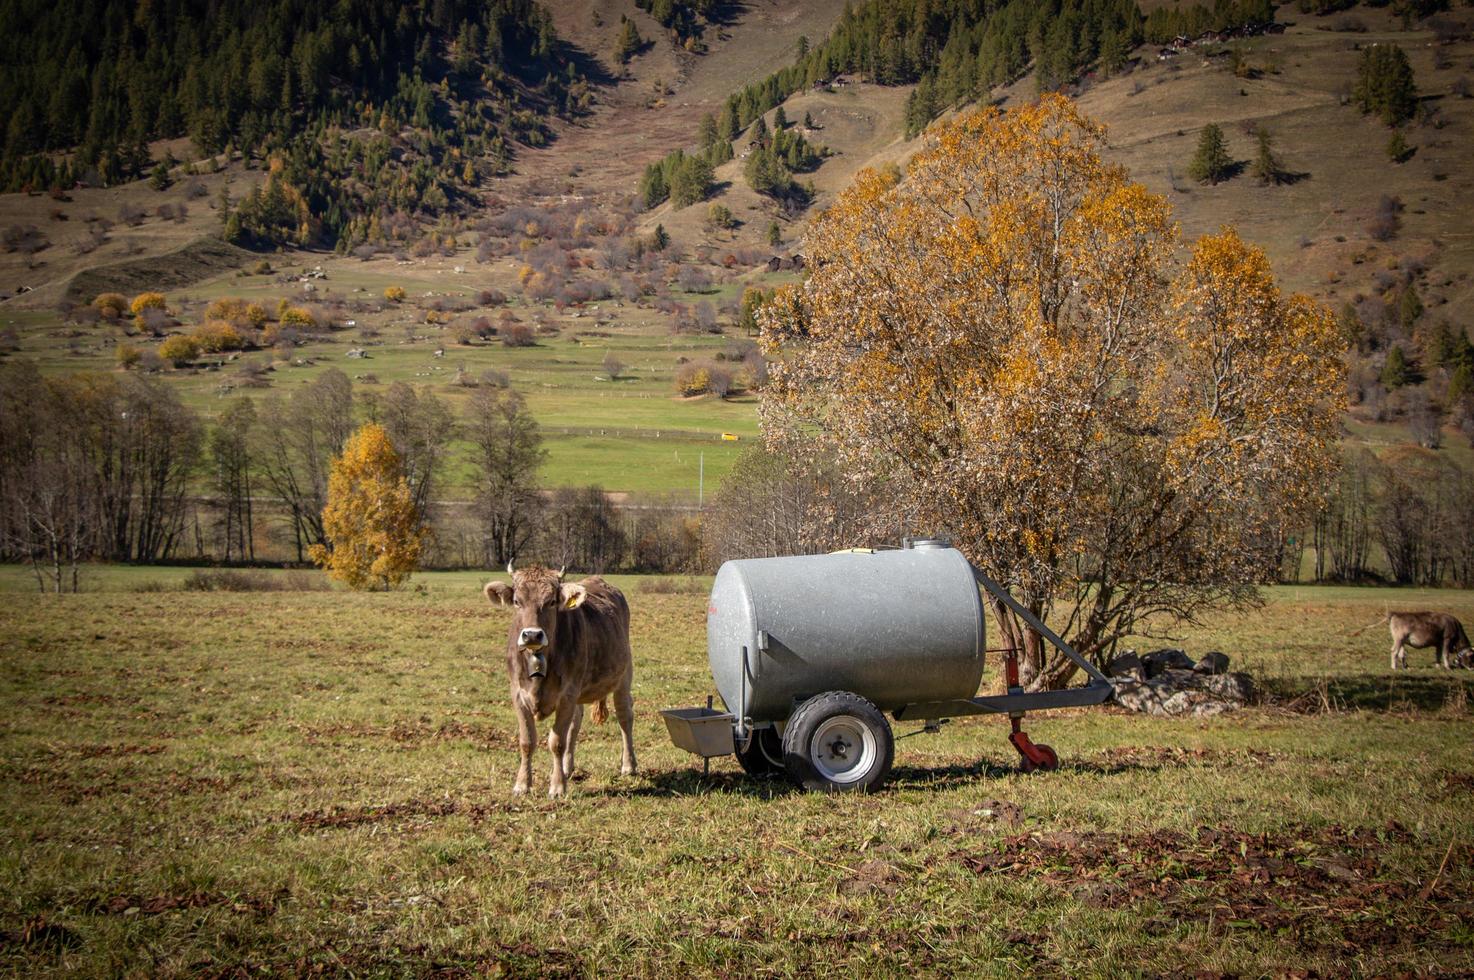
pixel 560 242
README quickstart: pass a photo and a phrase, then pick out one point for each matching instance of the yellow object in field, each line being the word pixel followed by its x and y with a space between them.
pixel 730 437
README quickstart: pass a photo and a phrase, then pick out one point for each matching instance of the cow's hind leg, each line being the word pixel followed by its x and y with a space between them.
pixel 624 710
pixel 526 743
pixel 557 743
pixel 1399 656
pixel 572 744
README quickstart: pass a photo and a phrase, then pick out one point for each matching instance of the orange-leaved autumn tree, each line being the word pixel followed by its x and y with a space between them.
pixel 370 519
pixel 1007 340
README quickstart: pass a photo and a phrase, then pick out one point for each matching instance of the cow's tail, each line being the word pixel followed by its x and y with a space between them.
pixel 601 711
pixel 1386 615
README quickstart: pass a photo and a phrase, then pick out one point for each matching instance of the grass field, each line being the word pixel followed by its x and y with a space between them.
pixel 225 783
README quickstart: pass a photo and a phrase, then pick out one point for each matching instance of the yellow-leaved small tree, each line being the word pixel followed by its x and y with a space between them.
pixel 370 520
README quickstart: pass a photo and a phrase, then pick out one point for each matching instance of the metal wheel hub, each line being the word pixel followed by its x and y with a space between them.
pixel 843 749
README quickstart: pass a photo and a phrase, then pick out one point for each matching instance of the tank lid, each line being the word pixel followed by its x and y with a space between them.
pixel 928 544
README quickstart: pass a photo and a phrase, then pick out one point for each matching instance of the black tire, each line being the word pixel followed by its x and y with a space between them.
pixel 764 755
pixel 838 742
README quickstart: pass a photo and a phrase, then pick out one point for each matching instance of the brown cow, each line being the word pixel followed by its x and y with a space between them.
pixel 568 646
pixel 1427 629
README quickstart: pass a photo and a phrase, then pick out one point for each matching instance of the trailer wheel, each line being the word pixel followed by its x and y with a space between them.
pixel 764 754
pixel 838 742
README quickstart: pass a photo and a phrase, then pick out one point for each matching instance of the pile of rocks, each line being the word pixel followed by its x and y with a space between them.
pixel 1169 682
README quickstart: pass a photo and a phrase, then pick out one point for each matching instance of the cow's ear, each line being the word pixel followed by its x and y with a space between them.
pixel 573 595
pixel 500 593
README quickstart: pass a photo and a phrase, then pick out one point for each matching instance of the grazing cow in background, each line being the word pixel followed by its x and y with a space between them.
pixel 1428 629
pixel 568 646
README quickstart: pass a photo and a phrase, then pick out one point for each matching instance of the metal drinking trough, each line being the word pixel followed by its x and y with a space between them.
pixel 808 652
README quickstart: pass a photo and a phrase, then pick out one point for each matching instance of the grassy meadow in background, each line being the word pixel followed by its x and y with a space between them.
pixel 288 781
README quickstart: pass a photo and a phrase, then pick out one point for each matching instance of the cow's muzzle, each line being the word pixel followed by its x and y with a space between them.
pixel 532 638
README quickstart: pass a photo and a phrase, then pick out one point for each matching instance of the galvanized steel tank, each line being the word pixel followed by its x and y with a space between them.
pixel 896 627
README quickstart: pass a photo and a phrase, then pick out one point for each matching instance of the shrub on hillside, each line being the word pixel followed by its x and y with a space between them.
pixel 215 336
pixel 147 301
pixel 693 379
pixel 1387 219
pixel 237 311
pixel 179 349
pixel 394 294
pixel 110 305
pixel 152 321
pixel 299 317
pixel 516 334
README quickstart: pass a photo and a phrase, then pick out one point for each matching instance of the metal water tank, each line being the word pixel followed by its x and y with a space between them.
pixel 896 627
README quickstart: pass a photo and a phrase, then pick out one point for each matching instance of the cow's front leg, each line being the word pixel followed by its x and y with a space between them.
pixel 624 710
pixel 557 741
pixel 572 743
pixel 526 743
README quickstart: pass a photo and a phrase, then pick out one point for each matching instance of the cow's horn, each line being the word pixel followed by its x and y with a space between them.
pixel 509 566
pixel 562 570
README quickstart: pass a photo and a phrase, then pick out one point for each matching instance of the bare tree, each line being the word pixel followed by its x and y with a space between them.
pixel 581 529
pixel 94 466
pixel 507 451
pixel 420 427
pixel 771 506
pixel 612 366
pixel 1343 530
pixel 166 438
pixel 43 512
pixel 230 458
pixel 296 440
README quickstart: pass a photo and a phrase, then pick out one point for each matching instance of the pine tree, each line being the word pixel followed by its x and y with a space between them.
pixel 1266 167
pixel 921 106
pixel 727 124
pixel 760 130
pixel 660 240
pixel 1460 383
pixel 766 174
pixel 1210 163
pixel 628 41
pixel 707 134
pixel 1395 371
pixel 690 182
pixel 653 189
pixel 1410 310
pixel 1462 352
pixel 1112 53
pixel 719 153
pixel 775 234
pixel 1384 84
pixel 1397 148
pixel 780 120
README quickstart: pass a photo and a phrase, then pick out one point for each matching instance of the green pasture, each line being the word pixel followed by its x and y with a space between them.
pixel 298 782
pixel 630 433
